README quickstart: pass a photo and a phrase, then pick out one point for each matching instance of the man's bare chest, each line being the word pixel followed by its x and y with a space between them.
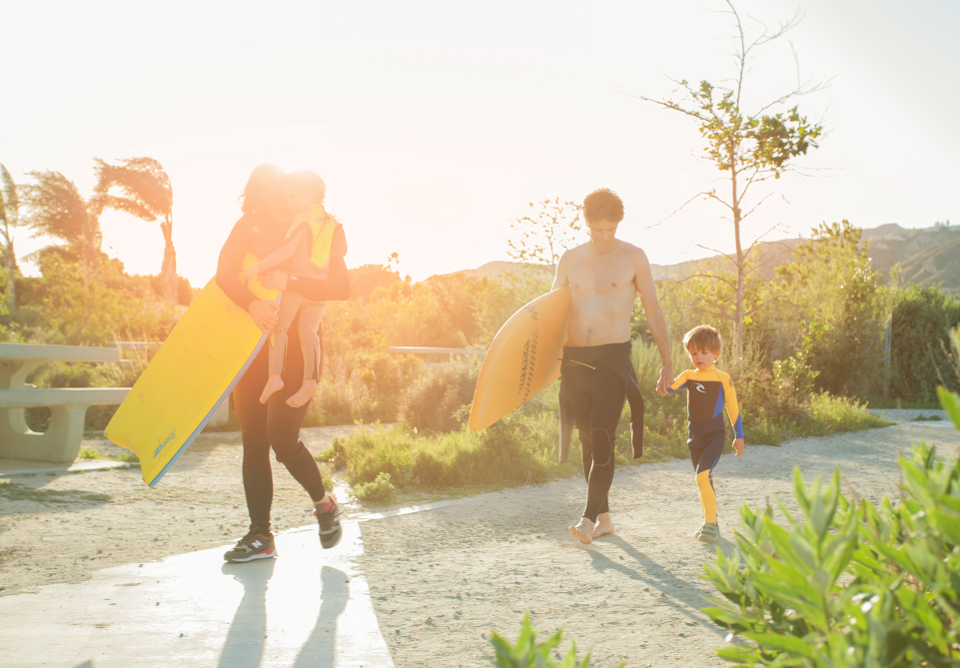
pixel 598 278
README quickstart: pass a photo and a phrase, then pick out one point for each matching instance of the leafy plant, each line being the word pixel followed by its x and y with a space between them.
pixel 528 653
pixel 834 306
pixel 920 357
pixel 380 490
pixel 335 456
pixel 849 583
pixel 436 401
pixel 794 375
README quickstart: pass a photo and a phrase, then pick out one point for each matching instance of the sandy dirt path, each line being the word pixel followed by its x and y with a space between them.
pixel 442 579
pixel 62 528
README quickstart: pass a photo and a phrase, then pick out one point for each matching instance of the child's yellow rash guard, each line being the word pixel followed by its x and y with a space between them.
pixel 707 392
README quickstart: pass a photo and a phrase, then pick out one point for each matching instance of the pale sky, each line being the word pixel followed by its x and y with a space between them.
pixel 435 123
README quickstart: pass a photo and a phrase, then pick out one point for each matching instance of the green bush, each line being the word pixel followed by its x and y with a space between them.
pixel 378 491
pixel 334 403
pixel 848 583
pixel 528 653
pixel 794 376
pixel 438 401
pixel 518 450
pixel 95 304
pixel 920 358
pixel 335 456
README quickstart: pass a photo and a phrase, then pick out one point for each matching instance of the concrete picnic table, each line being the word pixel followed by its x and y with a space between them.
pixel 68 405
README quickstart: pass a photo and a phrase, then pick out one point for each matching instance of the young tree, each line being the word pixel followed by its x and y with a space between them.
pixel 9 219
pixel 148 195
pixel 835 309
pixel 546 234
pixel 750 146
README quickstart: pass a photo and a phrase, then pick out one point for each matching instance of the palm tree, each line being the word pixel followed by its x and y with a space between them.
pixel 58 210
pixel 148 195
pixel 9 218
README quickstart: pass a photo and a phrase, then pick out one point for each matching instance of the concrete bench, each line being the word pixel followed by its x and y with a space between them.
pixel 68 406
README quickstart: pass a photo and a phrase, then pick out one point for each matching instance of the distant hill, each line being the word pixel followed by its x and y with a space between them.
pixel 770 255
pixel 936 264
pixel 927 256
pixel 500 267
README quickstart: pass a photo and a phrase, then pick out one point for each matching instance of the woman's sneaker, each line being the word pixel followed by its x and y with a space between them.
pixel 330 529
pixel 708 533
pixel 252 546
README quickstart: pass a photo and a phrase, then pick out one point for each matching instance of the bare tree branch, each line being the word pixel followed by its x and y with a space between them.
pixel 682 206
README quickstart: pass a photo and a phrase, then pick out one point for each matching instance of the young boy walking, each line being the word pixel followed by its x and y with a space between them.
pixel 708 389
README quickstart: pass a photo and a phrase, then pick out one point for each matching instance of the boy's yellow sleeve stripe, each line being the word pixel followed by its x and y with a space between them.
pixel 733 409
pixel 680 381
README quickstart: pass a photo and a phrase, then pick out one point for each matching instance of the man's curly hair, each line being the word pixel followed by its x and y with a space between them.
pixel 603 204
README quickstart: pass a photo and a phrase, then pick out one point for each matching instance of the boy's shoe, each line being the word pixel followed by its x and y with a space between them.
pixel 252 546
pixel 708 533
pixel 330 529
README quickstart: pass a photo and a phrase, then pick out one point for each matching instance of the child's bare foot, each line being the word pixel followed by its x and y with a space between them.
pixel 274 384
pixel 303 395
pixel 604 525
pixel 583 531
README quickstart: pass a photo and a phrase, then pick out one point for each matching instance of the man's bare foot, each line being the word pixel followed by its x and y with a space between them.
pixel 604 525
pixel 303 395
pixel 274 384
pixel 583 531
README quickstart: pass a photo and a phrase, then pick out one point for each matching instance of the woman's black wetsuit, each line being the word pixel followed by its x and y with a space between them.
pixel 275 425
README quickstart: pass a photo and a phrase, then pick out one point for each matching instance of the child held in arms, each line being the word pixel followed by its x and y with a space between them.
pixel 708 389
pixel 307 253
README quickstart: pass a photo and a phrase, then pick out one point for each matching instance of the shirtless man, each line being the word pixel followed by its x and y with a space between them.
pixel 604 275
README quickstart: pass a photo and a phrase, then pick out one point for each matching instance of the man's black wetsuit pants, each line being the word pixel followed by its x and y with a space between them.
pixel 596 402
pixel 274 425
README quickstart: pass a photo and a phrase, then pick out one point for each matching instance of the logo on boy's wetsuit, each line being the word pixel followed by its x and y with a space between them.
pixel 700 388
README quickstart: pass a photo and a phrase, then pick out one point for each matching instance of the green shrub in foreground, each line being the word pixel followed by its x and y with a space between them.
pixel 848 583
pixel 528 653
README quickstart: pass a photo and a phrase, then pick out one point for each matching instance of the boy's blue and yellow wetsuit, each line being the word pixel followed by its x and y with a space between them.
pixel 707 392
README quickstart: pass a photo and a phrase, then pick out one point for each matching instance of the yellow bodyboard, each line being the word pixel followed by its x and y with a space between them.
pixel 194 371
pixel 523 359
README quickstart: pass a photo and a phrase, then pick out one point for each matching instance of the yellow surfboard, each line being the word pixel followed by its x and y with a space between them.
pixel 194 371
pixel 523 359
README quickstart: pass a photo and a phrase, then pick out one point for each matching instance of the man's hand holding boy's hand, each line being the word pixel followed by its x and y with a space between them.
pixel 666 379
pixel 738 446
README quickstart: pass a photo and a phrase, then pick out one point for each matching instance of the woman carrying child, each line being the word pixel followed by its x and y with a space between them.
pixel 262 230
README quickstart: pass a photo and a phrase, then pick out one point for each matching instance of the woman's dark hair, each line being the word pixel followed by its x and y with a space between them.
pixel 263 178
